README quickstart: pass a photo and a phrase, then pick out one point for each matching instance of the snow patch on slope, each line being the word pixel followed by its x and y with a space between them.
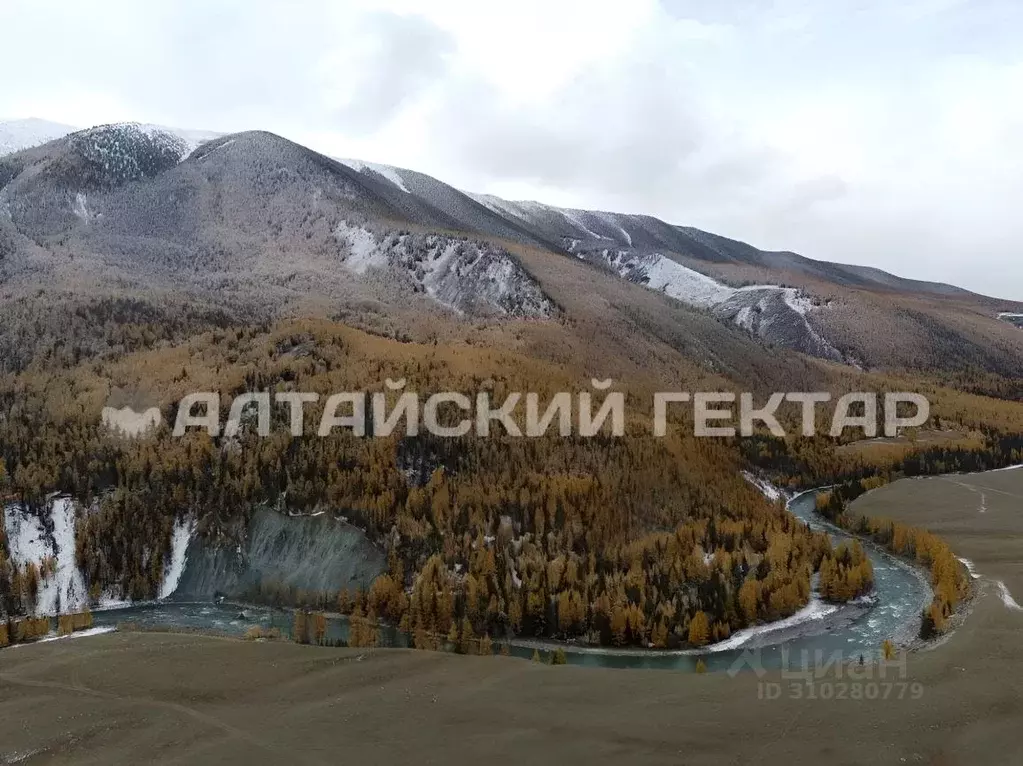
pixel 180 537
pixel 392 174
pixel 1003 589
pixel 522 210
pixel 776 314
pixel 576 221
pixel 81 208
pixel 363 251
pixel 608 218
pixel 767 489
pixel 673 279
pixel 539 214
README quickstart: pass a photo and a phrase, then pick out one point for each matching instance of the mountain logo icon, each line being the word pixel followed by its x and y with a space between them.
pixel 125 421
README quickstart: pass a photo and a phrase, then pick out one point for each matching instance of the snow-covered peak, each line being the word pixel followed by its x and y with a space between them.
pixel 191 138
pixel 17 135
pixel 526 210
pixel 572 224
pixel 184 142
pixel 122 152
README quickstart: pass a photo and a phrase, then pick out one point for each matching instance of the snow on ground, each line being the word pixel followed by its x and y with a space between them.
pixel 1007 468
pixel 815 610
pixel 180 537
pixel 691 286
pixel 1009 315
pixel 214 150
pixel 576 221
pixel 392 174
pixel 685 284
pixel 769 491
pixel 28 540
pixel 1003 589
pixel 456 273
pixel 970 568
pixel 530 212
pixel 754 308
pixel 797 302
pixel 80 634
pixel 608 218
pixel 1007 599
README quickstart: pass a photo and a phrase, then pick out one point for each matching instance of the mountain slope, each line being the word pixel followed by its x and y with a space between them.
pixel 254 224
pixel 271 220
pixel 829 310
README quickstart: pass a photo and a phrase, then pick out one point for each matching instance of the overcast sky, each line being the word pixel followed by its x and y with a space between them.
pixel 880 132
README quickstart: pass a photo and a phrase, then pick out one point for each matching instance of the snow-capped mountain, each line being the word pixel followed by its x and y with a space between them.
pixel 273 224
pixel 16 135
pixel 255 211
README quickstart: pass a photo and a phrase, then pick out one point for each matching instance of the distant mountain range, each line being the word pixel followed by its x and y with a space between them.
pixel 255 224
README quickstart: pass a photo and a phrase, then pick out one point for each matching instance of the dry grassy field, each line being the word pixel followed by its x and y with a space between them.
pixel 131 698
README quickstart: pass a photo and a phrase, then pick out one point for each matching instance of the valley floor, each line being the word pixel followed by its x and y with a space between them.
pixel 127 697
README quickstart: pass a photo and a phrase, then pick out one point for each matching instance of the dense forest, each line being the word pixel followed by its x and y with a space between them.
pixel 631 540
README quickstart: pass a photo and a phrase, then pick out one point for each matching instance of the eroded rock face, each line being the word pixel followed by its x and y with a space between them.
pixel 777 314
pixel 469 276
pixel 312 553
pixel 47 534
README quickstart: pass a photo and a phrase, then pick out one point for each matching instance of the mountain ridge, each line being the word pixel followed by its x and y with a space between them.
pixel 706 246
pixel 266 225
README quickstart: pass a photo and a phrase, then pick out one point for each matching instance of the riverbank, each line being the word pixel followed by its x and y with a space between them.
pixel 192 699
pixel 905 638
pixel 853 629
